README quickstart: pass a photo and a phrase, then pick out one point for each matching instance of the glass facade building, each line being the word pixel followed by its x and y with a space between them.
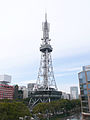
pixel 74 92
pixel 84 83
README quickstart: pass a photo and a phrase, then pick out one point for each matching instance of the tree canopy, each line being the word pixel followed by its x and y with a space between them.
pixel 13 110
pixel 57 106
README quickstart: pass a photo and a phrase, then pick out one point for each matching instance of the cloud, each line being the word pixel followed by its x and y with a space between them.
pixel 21 83
pixel 66 70
pixel 72 69
pixel 66 87
pixel 63 74
pixel 21 33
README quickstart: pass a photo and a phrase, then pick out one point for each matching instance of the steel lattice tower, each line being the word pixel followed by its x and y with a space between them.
pixel 45 89
pixel 46 78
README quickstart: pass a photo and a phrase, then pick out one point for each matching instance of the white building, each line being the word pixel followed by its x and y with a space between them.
pixel 31 86
pixel 65 96
pixel 22 88
pixel 5 79
pixel 74 92
pixel 25 91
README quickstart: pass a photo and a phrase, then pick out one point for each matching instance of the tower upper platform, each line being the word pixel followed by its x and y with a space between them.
pixel 45 47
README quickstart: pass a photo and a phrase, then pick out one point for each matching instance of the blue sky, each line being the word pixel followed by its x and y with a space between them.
pixel 21 33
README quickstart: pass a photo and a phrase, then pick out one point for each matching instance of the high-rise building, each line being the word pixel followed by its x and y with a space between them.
pixel 31 86
pixel 6 91
pixel 15 96
pixel 25 91
pixel 21 88
pixel 84 83
pixel 18 93
pixel 74 92
pixel 65 96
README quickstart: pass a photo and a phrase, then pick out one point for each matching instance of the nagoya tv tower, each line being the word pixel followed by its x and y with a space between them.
pixel 46 78
pixel 45 89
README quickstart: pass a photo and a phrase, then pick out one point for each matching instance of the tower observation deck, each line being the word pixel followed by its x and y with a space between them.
pixel 45 89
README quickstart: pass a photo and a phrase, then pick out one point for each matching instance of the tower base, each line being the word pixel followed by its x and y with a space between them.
pixel 43 97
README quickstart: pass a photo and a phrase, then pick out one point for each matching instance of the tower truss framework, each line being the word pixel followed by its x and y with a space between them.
pixel 46 78
pixel 45 89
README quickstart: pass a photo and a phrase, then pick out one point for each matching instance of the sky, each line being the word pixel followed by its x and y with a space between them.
pixel 21 33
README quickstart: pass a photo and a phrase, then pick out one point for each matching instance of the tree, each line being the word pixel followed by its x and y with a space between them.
pixel 13 110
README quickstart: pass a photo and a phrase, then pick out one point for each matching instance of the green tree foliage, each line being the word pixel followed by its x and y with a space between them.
pixel 13 110
pixel 57 106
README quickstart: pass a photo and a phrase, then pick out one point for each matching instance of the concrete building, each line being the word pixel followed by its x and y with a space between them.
pixel 84 83
pixel 25 91
pixel 21 88
pixel 65 96
pixel 6 91
pixel 18 94
pixel 31 86
pixel 15 96
pixel 74 92
pixel 68 96
pixel 5 79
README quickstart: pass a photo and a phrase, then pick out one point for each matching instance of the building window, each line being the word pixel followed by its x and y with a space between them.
pixel 88 91
pixel 85 92
pixel 88 85
pixel 85 104
pixel 82 78
pixel 84 98
pixel 84 86
pixel 88 76
pixel 85 110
